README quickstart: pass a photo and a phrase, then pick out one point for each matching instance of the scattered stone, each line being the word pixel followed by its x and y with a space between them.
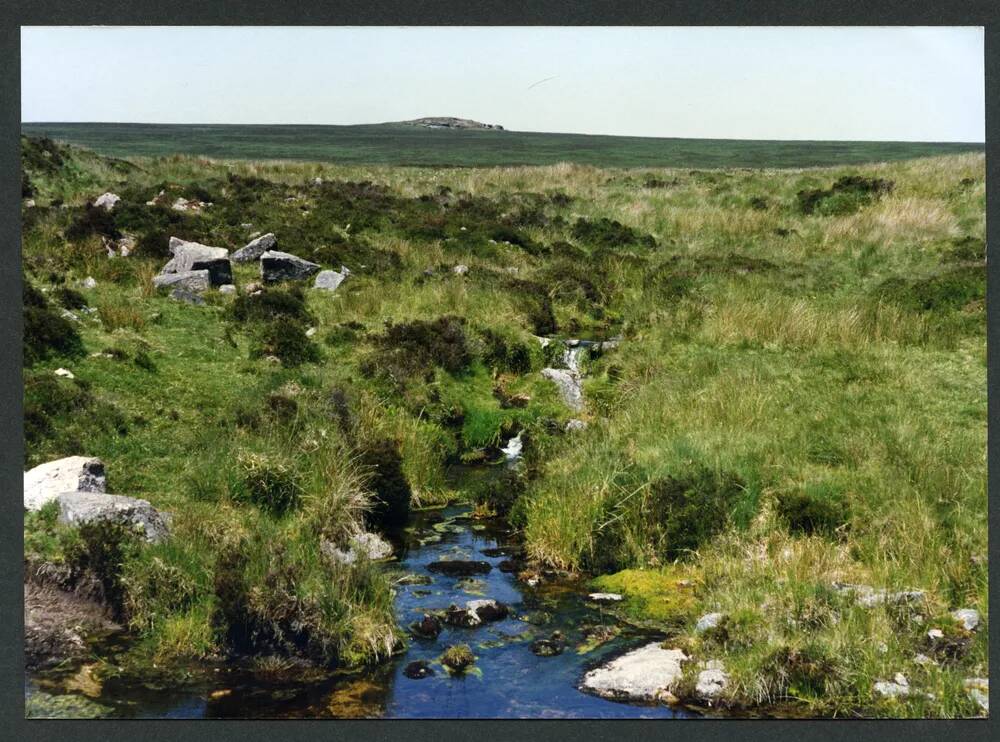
pixel 575 424
pixel 64 372
pixel 979 691
pixel 418 670
pixel 460 269
pixel 77 508
pixel 935 634
pixel 645 674
pixel 255 248
pixel 45 482
pixel 460 567
pixel 605 597
pixel 281 266
pixel 712 681
pixel 550 647
pixel 29 203
pixel 123 246
pixel 310 332
pixel 253 287
pixel 923 660
pixel 185 296
pixel 188 280
pixel 193 256
pixel 329 280
pixel 869 597
pixel 707 622
pixel 107 201
pixel 426 628
pixel 476 612
pixel 183 204
pixel 967 617
pixel 227 288
pixel 66 314
pixel 898 687
pixel 371 546
pixel 89 283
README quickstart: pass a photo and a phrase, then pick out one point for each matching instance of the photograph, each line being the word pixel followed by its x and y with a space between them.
pixel 503 372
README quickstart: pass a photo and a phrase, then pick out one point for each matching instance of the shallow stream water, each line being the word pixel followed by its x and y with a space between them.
pixel 507 679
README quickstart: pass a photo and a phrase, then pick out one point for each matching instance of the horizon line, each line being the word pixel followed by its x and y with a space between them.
pixel 518 131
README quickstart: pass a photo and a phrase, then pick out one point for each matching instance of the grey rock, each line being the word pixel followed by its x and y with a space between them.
pixel 254 249
pixel 45 482
pixel 569 386
pixel 370 546
pixel 29 203
pixel 77 508
pixel 188 297
pixel 605 597
pixel 575 424
pixel 107 201
pixel 968 617
pixel 282 266
pixel 460 269
pixel 188 280
pixel 89 283
pixel 64 372
pixel 330 280
pixel 645 674
pixel 193 256
pixel 979 691
pixel 892 688
pixel 707 622
pixel 711 683
pixel 227 288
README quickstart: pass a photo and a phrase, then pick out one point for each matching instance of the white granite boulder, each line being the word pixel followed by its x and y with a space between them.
pixel 642 675
pixel 46 481
pixel 77 508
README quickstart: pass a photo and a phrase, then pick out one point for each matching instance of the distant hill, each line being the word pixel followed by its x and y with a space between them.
pixel 407 143
pixel 450 122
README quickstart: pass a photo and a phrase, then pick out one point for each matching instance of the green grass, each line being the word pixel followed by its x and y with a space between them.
pixel 798 398
pixel 397 144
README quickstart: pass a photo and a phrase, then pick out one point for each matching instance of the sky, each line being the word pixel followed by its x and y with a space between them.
pixel 861 83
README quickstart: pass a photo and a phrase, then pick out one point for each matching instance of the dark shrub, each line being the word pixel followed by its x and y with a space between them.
pixel 271 304
pixel 391 492
pixel 505 354
pixel 27 191
pixel 816 509
pixel 100 548
pixel 283 409
pixel 69 298
pixel 270 485
pixel 499 493
pixel 286 339
pixel 845 196
pixel 92 220
pixel 967 249
pixel 46 333
pixel 338 405
pixel 758 203
pixel 949 289
pixel 798 672
pixel 409 348
pixel 685 511
pixel 232 618
pixel 609 233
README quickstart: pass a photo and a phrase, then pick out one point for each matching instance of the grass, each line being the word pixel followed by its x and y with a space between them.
pixel 798 399
pixel 394 144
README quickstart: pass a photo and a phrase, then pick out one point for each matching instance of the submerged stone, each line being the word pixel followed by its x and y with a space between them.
pixel 418 670
pixel 460 567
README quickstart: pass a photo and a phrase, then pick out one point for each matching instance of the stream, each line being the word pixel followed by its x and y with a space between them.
pixel 507 680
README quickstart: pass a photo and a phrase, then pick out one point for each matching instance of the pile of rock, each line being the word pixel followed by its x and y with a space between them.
pixel 194 267
pixel 79 485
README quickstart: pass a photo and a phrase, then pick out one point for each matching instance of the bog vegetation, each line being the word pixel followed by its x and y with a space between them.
pixel 797 401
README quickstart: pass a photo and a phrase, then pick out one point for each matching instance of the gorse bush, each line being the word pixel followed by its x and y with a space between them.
pixel 814 509
pixel 408 349
pixel 285 339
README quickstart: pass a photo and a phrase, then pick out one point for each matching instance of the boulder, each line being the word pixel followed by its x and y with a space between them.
pixel 107 201
pixel 255 248
pixel 77 508
pixel 64 372
pixel 89 283
pixel 188 280
pixel 643 675
pixel 487 610
pixel 711 682
pixel 330 280
pixel 967 617
pixel 193 256
pixel 282 266
pixel 46 481
pixel 227 288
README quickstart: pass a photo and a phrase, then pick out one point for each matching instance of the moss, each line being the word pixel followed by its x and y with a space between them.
pixel 661 596
pixel 458 658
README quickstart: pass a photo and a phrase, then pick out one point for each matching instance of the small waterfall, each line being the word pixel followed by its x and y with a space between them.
pixel 512 451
